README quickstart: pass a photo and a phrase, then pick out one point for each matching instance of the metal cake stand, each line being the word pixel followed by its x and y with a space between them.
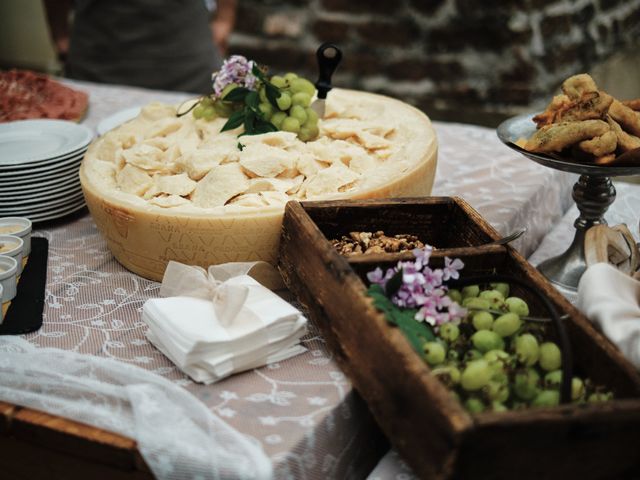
pixel 593 193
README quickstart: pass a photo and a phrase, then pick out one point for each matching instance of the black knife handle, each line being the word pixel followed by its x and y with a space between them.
pixel 329 56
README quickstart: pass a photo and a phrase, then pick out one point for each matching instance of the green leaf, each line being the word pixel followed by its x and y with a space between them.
pixel 237 94
pixel 249 121
pixel 258 73
pixel 241 146
pixel 235 120
pixel 393 284
pixel 417 333
pixel 262 126
pixel 273 93
pixel 252 100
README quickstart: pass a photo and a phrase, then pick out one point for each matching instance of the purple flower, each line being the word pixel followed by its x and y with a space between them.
pixel 376 276
pixel 236 69
pixel 451 268
pixel 433 278
pixel 422 256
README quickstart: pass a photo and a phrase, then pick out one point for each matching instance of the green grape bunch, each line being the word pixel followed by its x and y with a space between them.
pixel 277 103
pixel 497 359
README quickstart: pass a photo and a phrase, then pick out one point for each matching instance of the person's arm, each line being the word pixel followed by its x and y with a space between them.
pixel 222 24
pixel 58 17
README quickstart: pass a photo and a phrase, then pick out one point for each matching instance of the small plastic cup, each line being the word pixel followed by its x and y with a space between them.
pixel 12 246
pixel 8 278
pixel 20 227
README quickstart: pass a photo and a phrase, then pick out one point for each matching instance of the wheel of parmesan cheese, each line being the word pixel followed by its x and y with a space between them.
pixel 164 188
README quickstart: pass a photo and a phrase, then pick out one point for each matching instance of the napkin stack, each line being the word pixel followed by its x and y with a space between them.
pixel 611 299
pixel 214 323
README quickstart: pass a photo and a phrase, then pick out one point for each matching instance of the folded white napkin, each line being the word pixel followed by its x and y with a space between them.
pixel 218 322
pixel 611 299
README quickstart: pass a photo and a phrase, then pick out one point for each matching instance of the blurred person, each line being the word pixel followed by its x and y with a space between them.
pixel 161 44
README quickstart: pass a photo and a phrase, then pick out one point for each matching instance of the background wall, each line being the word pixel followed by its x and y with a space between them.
pixel 470 60
pixel 475 61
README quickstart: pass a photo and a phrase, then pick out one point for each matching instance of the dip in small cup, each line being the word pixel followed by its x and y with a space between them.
pixel 11 246
pixel 8 277
pixel 20 227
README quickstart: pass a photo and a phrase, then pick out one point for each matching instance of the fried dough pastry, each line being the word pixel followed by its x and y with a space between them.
pixel 576 86
pixel 626 117
pixel 632 104
pixel 626 141
pixel 604 144
pixel 558 136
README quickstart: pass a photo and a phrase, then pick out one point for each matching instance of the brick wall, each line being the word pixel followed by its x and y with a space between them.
pixel 451 58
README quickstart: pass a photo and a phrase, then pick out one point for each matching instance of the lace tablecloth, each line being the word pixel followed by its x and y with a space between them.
pixel 303 411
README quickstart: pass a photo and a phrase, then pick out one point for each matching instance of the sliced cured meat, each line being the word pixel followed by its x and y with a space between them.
pixel 26 95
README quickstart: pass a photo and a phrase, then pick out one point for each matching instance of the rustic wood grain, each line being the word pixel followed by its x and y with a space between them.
pixel 423 421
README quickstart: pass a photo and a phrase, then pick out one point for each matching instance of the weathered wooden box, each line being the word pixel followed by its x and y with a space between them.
pixel 430 429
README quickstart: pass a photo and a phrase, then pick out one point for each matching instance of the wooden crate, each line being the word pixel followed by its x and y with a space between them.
pixel 422 419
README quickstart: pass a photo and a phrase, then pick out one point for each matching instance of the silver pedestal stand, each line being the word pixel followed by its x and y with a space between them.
pixel 593 193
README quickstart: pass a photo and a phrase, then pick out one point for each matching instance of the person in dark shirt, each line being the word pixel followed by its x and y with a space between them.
pixel 160 44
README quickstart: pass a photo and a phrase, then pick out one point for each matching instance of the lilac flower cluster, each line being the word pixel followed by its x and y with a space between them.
pixel 235 69
pixel 422 287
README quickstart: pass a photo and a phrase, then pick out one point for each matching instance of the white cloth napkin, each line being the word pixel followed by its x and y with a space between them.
pixel 221 321
pixel 611 299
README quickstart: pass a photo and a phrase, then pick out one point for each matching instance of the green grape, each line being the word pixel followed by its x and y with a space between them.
pixel 527 349
pixel 302 85
pixel 482 320
pixel 301 98
pixel 497 391
pixel 550 356
pixel 525 384
pixel 598 397
pixel 474 405
pixel 227 89
pixel 503 288
pixel 206 101
pixel 577 389
pixel 475 303
pixel 298 112
pixel 498 407
pixel 284 101
pixel 453 355
pixel 507 324
pixel 485 340
pixel 497 359
pixel 517 306
pixel 470 291
pixel 454 294
pixel 472 354
pixel 553 379
pixel 262 93
pixel 495 298
pixel 308 133
pixel 290 124
pixel 312 116
pixel 266 109
pixel 476 375
pixel 289 76
pixel 209 113
pixel 449 332
pixel 198 111
pixel 434 353
pixel 546 398
pixel 278 81
pixel 447 374
pixel 500 376
pixel 277 119
pixel 223 109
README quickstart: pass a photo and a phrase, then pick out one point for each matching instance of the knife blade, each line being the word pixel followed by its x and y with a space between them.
pixel 329 56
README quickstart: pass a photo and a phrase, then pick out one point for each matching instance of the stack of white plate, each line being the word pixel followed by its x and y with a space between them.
pixel 39 162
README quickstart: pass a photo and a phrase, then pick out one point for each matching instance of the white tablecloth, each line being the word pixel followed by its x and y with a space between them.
pixel 303 411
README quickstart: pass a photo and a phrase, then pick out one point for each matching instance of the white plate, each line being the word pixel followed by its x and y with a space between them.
pixel 50 203
pixel 38 182
pixel 117 119
pixel 39 193
pixel 63 212
pixel 45 198
pixel 52 168
pixel 27 141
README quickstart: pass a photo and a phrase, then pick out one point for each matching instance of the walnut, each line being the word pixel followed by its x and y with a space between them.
pixel 366 243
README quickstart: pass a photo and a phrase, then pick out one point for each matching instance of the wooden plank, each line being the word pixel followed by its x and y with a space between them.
pixel 72 438
pixel 22 460
pixel 7 411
